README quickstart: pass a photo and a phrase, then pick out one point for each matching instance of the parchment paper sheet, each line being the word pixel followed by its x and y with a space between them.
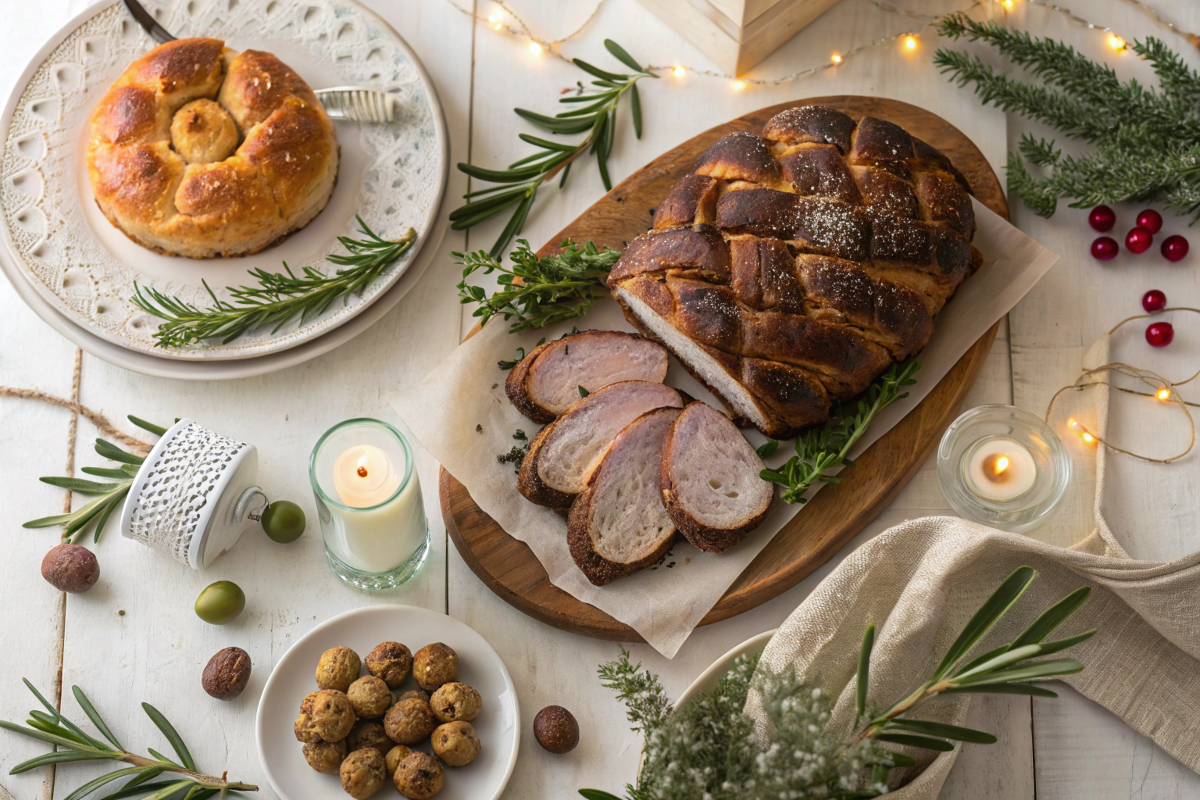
pixel 462 417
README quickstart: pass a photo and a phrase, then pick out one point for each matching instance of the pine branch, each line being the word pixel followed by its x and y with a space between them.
pixel 593 111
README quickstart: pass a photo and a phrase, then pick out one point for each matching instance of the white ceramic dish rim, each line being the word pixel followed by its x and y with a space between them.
pixel 9 260
pixel 508 683
pixel 227 370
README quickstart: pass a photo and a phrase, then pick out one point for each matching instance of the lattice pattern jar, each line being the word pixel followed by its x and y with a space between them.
pixel 194 495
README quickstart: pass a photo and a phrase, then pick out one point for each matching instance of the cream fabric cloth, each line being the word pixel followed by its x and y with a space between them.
pixel 921 581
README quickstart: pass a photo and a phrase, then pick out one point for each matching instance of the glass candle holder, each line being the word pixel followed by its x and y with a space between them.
pixel 1003 467
pixel 369 504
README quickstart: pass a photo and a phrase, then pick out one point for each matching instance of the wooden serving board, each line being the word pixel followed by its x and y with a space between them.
pixel 509 568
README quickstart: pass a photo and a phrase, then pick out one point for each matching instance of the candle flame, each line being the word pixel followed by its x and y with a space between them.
pixel 1001 464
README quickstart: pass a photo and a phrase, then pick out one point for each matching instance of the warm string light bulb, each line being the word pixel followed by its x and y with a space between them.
pixel 739 85
pixel 1074 425
pixel 678 72
pixel 1007 4
pixel 836 58
pixel 535 48
pixel 1163 394
pixel 910 42
pixel 1116 42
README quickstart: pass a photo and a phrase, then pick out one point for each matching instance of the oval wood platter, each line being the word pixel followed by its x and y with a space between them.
pixel 509 568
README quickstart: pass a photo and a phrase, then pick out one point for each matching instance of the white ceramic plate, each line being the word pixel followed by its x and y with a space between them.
pixel 84 268
pixel 360 630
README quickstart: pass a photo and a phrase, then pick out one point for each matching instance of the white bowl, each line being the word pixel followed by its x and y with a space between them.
pixel 707 680
pixel 498 724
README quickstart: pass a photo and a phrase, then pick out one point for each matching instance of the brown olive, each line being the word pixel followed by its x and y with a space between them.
pixel 556 730
pixel 70 568
pixel 227 673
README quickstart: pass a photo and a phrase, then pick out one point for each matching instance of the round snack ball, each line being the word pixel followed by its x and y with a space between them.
pixel 305 730
pixel 370 696
pixel 338 668
pixel 390 661
pixel 409 721
pixel 417 693
pixel 325 757
pixel 394 757
pixel 435 664
pixel 368 733
pixel 456 743
pixel 419 776
pixel 70 568
pixel 332 715
pixel 456 701
pixel 363 773
pixel 306 705
pixel 556 730
pixel 227 673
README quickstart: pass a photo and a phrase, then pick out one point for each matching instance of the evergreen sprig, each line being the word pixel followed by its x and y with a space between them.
pixel 74 745
pixel 709 749
pixel 537 291
pixel 593 111
pixel 109 496
pixel 278 297
pixel 1146 142
pixel 819 450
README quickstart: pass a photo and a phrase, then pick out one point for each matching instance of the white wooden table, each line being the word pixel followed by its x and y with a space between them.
pixel 134 636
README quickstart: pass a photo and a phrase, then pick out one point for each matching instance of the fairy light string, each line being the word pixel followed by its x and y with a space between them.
pixel 505 20
pixel 1161 390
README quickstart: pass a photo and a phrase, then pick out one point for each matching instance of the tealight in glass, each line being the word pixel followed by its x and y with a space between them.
pixel 369 504
pixel 1003 467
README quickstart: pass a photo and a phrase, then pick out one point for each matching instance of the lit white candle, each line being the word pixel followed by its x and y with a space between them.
pixel 378 532
pixel 1000 468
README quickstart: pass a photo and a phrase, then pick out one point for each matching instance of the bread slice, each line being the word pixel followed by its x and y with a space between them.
pixel 710 480
pixel 562 456
pixel 618 524
pixel 546 382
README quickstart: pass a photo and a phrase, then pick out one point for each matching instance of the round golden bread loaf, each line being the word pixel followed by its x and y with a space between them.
pixel 199 151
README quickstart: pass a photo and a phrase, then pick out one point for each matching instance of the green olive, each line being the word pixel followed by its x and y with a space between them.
pixel 283 521
pixel 220 602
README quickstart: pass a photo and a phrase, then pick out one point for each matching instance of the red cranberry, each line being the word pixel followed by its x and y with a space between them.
pixel 1104 248
pixel 1138 240
pixel 1154 300
pixel 1159 334
pixel 1102 218
pixel 1174 248
pixel 1151 220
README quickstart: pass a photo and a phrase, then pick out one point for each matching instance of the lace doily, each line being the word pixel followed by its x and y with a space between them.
pixel 391 175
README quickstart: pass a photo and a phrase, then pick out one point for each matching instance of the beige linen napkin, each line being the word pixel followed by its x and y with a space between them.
pixel 921 581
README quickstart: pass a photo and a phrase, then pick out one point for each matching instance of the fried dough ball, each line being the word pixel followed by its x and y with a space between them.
pixel 370 697
pixel 419 776
pixel 456 701
pixel 435 664
pixel 338 668
pixel 390 661
pixel 456 743
pixel 368 733
pixel 305 730
pixel 394 757
pixel 409 721
pixel 325 757
pixel 306 704
pixel 332 715
pixel 417 693
pixel 363 773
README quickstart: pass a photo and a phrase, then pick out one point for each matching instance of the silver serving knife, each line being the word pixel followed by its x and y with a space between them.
pixel 352 103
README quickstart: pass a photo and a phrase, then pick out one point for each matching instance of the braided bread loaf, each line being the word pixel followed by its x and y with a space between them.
pixel 199 151
pixel 790 269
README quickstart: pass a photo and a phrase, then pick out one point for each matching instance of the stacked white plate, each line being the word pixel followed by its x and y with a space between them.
pixel 77 271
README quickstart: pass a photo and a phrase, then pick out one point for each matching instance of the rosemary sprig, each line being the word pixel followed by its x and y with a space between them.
pixel 75 745
pixel 278 297
pixel 109 496
pixel 708 747
pixel 593 111
pixel 823 449
pixel 537 291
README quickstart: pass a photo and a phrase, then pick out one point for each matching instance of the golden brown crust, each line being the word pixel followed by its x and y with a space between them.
pixel 804 261
pixel 529 482
pixel 160 115
pixel 514 387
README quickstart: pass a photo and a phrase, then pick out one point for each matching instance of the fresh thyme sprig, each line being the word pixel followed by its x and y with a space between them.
pixel 109 496
pixel 708 747
pixel 594 111
pixel 277 298
pixel 537 291
pixel 74 745
pixel 823 449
